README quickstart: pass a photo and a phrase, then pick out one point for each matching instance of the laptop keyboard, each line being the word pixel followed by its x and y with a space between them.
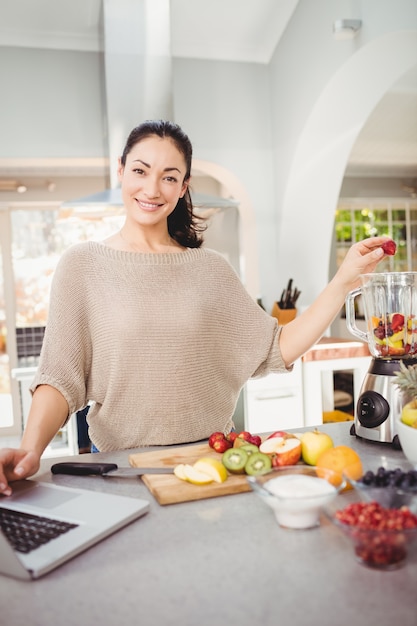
pixel 26 532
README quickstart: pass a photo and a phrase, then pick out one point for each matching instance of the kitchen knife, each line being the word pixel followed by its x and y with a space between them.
pixel 106 469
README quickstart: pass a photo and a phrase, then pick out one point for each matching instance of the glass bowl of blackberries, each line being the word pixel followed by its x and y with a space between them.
pixel 391 486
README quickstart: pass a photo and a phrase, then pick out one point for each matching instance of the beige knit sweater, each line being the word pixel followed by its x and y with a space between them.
pixel 160 344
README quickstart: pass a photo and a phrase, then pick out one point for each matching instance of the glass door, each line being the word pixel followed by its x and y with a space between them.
pixel 10 413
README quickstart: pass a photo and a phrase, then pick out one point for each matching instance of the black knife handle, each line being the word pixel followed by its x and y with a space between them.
pixel 83 469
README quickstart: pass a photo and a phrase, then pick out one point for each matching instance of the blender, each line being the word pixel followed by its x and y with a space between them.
pixel 390 309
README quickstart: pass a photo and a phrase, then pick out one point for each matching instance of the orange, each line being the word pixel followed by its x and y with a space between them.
pixel 340 459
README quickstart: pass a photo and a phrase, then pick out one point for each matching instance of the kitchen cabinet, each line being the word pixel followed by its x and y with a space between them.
pixel 330 355
pixel 65 441
pixel 275 401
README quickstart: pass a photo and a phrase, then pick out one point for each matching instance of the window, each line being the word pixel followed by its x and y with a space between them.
pixel 357 219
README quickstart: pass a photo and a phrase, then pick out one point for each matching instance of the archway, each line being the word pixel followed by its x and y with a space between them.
pixel 248 245
pixel 323 150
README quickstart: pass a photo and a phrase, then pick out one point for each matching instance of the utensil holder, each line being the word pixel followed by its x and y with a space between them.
pixel 283 315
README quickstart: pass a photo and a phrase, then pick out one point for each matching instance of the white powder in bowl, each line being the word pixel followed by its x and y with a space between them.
pixel 299 498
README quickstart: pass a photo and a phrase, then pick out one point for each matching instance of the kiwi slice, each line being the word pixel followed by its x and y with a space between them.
pixel 235 459
pixel 250 448
pixel 258 463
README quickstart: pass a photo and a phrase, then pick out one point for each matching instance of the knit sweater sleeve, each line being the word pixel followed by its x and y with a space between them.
pixel 256 333
pixel 66 350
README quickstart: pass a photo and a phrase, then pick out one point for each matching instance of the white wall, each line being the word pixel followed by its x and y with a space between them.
pixel 225 109
pixel 323 91
pixel 51 104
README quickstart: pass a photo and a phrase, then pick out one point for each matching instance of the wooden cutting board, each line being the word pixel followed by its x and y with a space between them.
pixel 168 489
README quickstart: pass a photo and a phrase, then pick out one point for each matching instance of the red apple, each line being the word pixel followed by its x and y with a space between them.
pixel 277 433
pixel 245 435
pixel 287 453
pixel 255 440
pixel 231 436
pixel 284 450
pixel 283 434
pixel 217 436
pixel 221 445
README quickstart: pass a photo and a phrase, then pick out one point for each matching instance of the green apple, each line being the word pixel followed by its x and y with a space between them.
pixel 313 444
pixel 409 414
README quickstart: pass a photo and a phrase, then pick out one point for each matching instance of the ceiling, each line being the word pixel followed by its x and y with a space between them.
pixel 388 141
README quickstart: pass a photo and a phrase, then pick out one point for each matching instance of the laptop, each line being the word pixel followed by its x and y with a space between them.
pixel 44 525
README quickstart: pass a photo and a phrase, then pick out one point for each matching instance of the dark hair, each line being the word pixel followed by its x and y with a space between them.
pixel 183 225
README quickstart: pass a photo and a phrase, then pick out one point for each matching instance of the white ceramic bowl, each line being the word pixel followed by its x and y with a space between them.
pixel 408 440
pixel 296 493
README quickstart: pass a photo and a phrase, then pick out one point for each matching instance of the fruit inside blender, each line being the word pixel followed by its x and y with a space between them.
pixel 394 335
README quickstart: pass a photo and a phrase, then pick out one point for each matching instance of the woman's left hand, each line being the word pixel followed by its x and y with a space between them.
pixel 362 258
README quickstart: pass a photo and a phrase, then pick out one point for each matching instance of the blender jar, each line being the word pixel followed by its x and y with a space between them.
pixel 390 308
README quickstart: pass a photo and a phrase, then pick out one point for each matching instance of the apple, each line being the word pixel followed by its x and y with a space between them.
pixel 271 444
pixel 283 450
pixel 409 414
pixel 217 436
pixel 313 444
pixel 231 436
pixel 221 445
pixel 245 437
pixel 255 440
pixel 287 453
pixel 279 433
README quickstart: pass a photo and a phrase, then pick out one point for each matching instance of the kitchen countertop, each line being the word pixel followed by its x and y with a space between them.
pixel 334 348
pixel 217 561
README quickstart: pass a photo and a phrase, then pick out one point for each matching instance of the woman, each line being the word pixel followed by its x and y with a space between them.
pixel 155 331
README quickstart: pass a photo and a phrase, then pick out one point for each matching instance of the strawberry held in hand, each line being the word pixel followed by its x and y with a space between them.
pixel 389 247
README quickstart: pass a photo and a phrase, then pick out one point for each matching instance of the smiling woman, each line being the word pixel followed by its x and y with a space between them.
pixel 154 173
pixel 151 329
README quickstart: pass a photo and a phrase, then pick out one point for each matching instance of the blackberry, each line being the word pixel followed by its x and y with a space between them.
pixel 383 477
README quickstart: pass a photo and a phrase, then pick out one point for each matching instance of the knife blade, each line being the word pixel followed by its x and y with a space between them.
pixel 76 468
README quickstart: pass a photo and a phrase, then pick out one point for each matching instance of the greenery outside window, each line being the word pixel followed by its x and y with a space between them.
pixel 357 219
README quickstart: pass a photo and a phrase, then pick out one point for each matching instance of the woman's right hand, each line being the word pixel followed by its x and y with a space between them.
pixel 16 464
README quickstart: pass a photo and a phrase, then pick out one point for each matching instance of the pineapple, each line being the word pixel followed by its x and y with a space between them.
pixel 407 382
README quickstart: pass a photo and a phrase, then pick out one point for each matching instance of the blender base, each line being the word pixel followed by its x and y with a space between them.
pixel 379 403
pixel 395 443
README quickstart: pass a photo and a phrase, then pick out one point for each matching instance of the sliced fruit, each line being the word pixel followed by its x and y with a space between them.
pixel 239 442
pixel 397 322
pixel 212 467
pixel 250 448
pixel 196 477
pixel 271 444
pixel 257 464
pixel 179 471
pixel 235 460
pixel 288 453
